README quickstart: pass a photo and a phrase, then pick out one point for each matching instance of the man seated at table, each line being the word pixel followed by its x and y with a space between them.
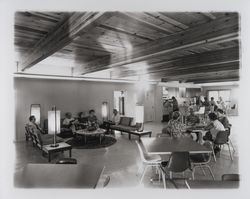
pixel 174 127
pixel 223 119
pixel 192 119
pixel 69 122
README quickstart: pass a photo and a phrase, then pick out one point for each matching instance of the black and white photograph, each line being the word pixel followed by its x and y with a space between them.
pixel 101 100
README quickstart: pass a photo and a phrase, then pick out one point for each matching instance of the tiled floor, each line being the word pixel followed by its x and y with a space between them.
pixel 122 161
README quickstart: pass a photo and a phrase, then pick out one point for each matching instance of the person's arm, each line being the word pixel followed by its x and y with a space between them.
pixel 209 126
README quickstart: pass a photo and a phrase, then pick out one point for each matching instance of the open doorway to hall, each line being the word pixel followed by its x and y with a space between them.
pixel 119 101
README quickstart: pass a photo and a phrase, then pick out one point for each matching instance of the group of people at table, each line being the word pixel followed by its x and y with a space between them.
pixel 74 124
pixel 217 121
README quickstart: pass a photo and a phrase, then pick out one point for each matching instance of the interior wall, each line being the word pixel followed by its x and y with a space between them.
pixel 68 96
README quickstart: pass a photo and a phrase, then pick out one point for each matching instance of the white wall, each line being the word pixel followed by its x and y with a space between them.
pixel 67 95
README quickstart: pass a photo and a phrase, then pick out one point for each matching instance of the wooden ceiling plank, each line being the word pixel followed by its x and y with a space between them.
pixel 134 34
pixel 216 31
pixel 137 17
pixel 169 20
pixel 76 24
pixel 209 15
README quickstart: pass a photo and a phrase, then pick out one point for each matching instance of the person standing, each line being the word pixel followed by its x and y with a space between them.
pixel 167 111
pixel 175 104
pixel 213 104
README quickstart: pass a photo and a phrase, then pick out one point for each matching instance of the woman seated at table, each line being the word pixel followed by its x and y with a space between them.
pixel 174 127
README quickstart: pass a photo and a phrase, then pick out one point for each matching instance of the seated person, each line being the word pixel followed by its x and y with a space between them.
pixel 69 122
pixel 83 120
pixel 92 119
pixel 223 119
pixel 115 117
pixel 33 126
pixel 192 119
pixel 214 127
pixel 37 130
pixel 174 127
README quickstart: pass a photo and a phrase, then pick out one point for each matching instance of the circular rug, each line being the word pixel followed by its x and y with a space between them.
pixel 92 142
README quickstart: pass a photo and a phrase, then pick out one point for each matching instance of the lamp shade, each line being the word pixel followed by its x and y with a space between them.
pixel 139 114
pixel 105 110
pixel 54 122
pixel 35 110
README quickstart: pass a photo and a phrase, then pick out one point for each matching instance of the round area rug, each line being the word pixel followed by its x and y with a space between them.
pixel 92 142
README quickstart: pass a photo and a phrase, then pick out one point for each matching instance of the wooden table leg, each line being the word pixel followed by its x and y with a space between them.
pixel 150 134
pixel 70 153
pixel 129 136
pixel 49 157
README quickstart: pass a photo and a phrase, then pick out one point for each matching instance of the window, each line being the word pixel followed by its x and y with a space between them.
pixel 224 94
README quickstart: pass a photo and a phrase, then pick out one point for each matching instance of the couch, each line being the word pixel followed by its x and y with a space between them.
pixel 125 125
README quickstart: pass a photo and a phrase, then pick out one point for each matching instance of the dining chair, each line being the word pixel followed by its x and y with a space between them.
pixel 230 141
pixel 178 162
pixel 221 139
pixel 202 160
pixel 149 160
pixel 67 161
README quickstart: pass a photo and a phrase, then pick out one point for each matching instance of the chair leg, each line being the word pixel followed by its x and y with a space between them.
pixel 144 171
pixel 230 141
pixel 164 179
pixel 193 172
pixel 230 151
pixel 203 171
pixel 210 170
pixel 187 184
pixel 214 155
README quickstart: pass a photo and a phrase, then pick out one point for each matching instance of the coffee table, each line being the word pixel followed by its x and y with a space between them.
pixel 60 148
pixel 85 133
pixel 140 133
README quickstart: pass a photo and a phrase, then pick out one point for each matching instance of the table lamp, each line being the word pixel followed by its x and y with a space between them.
pixel 54 124
pixel 139 116
pixel 105 111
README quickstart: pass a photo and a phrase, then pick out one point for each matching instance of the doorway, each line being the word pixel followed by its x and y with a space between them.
pixel 119 101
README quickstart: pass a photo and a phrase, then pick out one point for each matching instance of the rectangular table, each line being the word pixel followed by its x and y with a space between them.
pixel 167 145
pixel 62 147
pixel 140 133
pixel 212 184
pixel 58 176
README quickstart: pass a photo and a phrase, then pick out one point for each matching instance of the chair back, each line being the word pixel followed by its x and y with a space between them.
pixel 230 177
pixel 67 161
pixel 179 162
pixel 141 151
pixel 222 137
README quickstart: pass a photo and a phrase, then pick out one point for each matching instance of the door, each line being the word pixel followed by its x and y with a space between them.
pixel 149 106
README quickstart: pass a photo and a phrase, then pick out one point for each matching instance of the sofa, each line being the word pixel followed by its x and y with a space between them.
pixel 125 125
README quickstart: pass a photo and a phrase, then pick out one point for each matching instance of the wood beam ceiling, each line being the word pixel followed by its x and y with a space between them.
pixel 195 61
pixel 75 25
pixel 216 31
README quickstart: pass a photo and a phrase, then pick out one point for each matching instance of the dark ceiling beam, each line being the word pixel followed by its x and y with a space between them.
pixel 74 25
pixel 217 31
pixel 187 62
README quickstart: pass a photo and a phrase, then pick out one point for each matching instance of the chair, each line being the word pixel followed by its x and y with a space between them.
pixel 221 139
pixel 230 177
pixel 202 160
pixel 162 135
pixel 67 161
pixel 178 162
pixel 229 133
pixel 27 133
pixel 149 160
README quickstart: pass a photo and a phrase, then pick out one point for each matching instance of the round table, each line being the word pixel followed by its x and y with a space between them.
pixel 85 133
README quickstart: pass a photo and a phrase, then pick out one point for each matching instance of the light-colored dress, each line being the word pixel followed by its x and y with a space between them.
pixel 175 128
